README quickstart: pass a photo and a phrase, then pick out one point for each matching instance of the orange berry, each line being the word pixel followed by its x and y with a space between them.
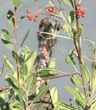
pixel 45 20
pixel 47 11
pixel 36 15
pixel 54 11
pixel 28 11
pixel 35 19
pixel 78 5
pixel 50 9
pixel 28 16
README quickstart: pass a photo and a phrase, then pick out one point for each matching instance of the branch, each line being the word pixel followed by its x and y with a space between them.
pixel 79 55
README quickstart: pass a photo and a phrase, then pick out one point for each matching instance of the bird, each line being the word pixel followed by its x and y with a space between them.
pixel 46 43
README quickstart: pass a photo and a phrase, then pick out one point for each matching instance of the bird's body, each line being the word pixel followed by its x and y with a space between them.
pixel 45 45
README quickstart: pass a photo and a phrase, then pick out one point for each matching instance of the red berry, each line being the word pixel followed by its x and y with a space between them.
pixel 28 16
pixel 35 19
pixel 78 5
pixel 83 15
pixel 45 20
pixel 79 14
pixel 28 11
pixel 83 12
pixel 47 11
pixel 50 9
pixel 79 11
pixel 36 15
pixel 54 11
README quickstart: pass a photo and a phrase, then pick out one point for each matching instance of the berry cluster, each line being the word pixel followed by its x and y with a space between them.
pixel 50 9
pixel 30 17
pixel 79 11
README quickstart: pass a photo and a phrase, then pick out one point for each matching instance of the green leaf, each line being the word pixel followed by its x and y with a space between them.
pixel 4 97
pixel 47 70
pixel 75 32
pixel 65 106
pixel 42 91
pixel 86 72
pixel 20 19
pixel 69 60
pixel 52 63
pixel 26 36
pixel 30 62
pixel 24 70
pixel 41 107
pixel 10 18
pixel 5 31
pixel 16 105
pixel 83 97
pixel 8 63
pixel 7 40
pixel 94 68
pixel 93 84
pixel 93 104
pixel 20 92
pixel 93 50
pixel 14 80
pixel 65 28
pixel 31 91
pixel 76 81
pixel 71 17
pixel 21 60
pixel 25 50
pixel 76 95
pixel 30 81
pixel 17 3
pixel 54 95
pixel 15 56
pixel 68 3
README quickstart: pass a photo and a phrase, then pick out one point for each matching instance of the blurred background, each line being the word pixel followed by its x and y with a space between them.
pixel 32 43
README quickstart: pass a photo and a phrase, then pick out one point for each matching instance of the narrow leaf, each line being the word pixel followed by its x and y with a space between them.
pixel 26 36
pixel 5 31
pixel 7 40
pixel 65 106
pixel 30 81
pixel 8 63
pixel 10 18
pixel 20 19
pixel 11 76
pixel 15 56
pixel 86 72
pixel 69 60
pixel 52 63
pixel 71 17
pixel 31 91
pixel 93 50
pixel 41 92
pixel 54 95
pixel 76 81
pixel 65 28
pixel 76 95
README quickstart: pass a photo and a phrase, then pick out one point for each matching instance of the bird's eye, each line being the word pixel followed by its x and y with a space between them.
pixel 58 28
